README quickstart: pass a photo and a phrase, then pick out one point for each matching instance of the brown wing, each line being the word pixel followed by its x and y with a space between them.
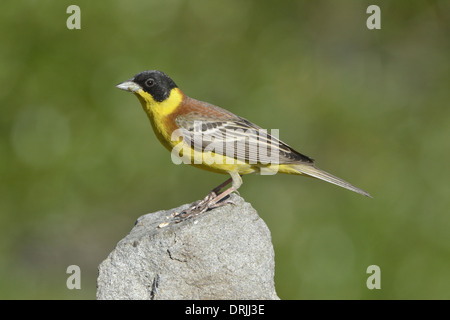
pixel 209 128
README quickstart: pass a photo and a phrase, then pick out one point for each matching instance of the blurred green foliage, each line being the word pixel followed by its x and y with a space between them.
pixel 79 161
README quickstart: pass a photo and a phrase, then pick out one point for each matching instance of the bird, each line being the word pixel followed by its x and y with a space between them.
pixel 212 138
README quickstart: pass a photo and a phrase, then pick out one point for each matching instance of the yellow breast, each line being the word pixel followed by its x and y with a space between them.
pixel 158 113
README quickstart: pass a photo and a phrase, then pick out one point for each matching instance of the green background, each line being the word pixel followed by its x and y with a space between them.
pixel 80 163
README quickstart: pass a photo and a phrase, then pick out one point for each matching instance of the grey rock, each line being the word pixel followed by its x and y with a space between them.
pixel 225 253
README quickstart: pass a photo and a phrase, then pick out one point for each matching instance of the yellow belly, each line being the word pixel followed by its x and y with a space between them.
pixel 211 161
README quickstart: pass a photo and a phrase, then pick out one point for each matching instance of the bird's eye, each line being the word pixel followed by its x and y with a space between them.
pixel 150 82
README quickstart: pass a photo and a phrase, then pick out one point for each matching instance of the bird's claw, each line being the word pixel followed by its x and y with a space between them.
pixel 202 206
pixel 197 208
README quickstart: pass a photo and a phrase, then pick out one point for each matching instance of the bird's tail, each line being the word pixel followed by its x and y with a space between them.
pixel 312 171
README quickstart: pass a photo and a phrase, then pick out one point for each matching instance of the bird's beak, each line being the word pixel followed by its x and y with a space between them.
pixel 129 86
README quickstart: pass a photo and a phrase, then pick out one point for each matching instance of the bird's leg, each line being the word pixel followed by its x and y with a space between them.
pixel 219 187
pixel 213 198
pixel 217 201
pixel 211 195
pixel 201 206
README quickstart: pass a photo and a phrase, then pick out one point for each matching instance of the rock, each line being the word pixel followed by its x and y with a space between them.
pixel 225 253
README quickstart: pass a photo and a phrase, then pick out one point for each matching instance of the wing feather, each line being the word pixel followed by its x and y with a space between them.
pixel 238 138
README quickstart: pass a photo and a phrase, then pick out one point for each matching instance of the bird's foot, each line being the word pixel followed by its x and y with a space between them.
pixel 196 208
pixel 211 201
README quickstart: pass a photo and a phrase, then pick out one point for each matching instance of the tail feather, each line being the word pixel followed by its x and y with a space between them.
pixel 314 172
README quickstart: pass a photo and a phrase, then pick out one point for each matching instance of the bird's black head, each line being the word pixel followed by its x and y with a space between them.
pixel 156 83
